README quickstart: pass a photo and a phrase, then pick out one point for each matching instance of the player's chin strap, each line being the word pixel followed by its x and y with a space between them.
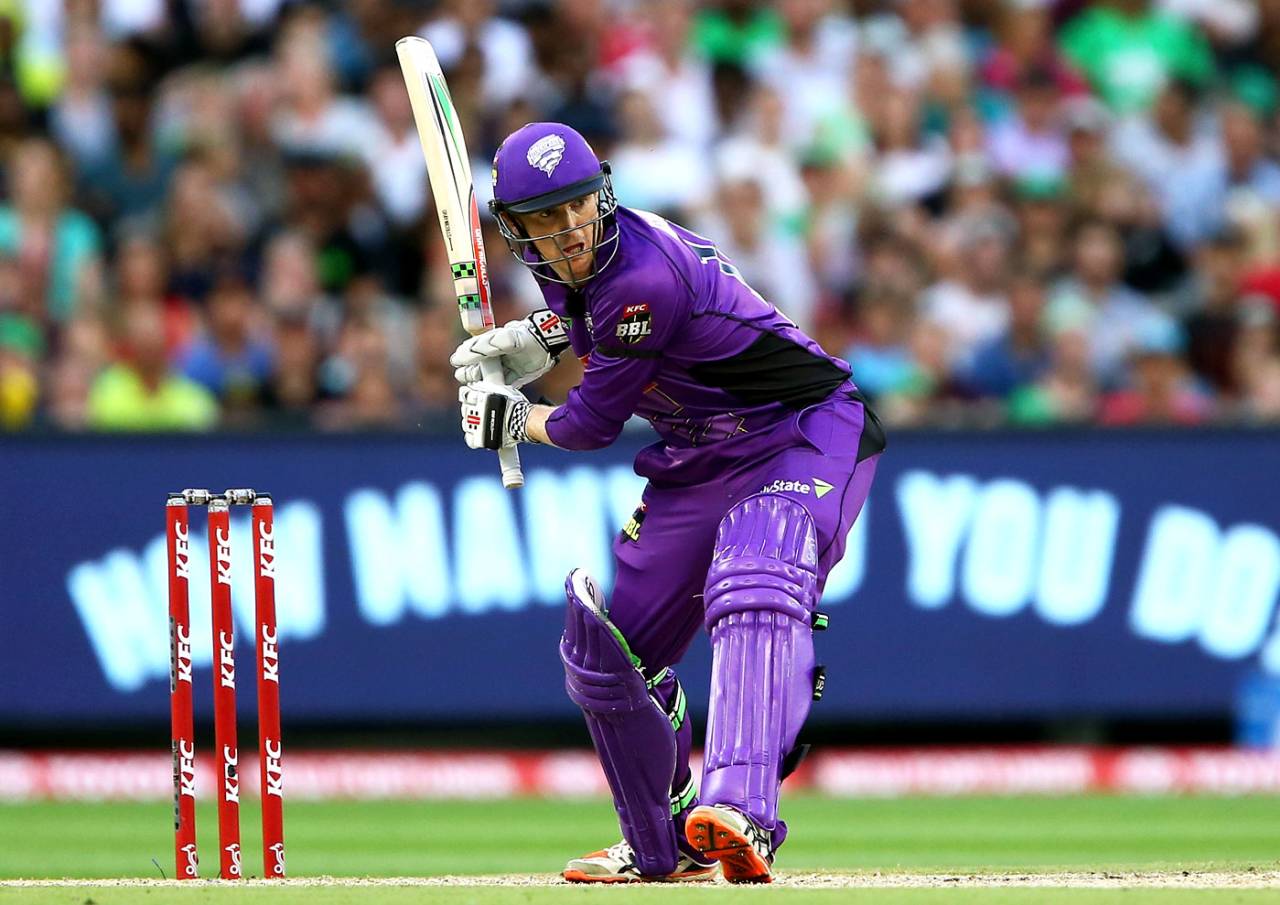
pixel 760 595
pixel 634 734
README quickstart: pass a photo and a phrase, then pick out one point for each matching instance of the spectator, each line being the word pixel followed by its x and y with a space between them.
pixel 971 308
pixel 1153 263
pixel 923 42
pixel 910 166
pixel 312 117
pixel 810 69
pixel 1212 326
pixel 762 145
pixel 1030 143
pixel 924 398
pixel 130 178
pixel 881 358
pixel 231 358
pixel 1087 123
pixel 763 249
pixel 1021 355
pixel 1129 50
pixel 58 248
pixel 737 32
pixel 1068 392
pixel 393 151
pixel 1255 353
pixel 140 391
pixel 294 388
pixel 81 119
pixel 1041 208
pixel 507 56
pixel 358 375
pixel 21 347
pixel 142 278
pixel 656 171
pixel 1114 316
pixel 676 83
pixel 201 229
pixel 843 156
pixel 1161 391
pixel 1024 42
pixel 1169 150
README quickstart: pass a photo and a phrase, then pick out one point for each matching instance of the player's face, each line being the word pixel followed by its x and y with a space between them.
pixel 571 234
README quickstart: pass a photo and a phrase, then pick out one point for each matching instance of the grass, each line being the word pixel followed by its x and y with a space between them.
pixel 388 839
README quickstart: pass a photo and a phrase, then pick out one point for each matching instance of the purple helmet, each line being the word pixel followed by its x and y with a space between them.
pixel 541 166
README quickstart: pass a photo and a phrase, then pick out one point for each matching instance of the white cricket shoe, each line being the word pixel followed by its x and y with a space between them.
pixel 724 834
pixel 617 864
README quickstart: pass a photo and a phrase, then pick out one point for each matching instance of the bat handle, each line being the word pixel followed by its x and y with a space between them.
pixel 508 456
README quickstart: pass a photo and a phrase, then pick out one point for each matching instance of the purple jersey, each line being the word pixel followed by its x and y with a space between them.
pixel 671 332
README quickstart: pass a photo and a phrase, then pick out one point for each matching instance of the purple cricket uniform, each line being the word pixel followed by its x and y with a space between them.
pixel 766 456
pixel 744 403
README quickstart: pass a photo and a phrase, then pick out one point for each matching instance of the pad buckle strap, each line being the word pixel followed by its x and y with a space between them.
pixel 657 679
pixel 685 797
pixel 676 712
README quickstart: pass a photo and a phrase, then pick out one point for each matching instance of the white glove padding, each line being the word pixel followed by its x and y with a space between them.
pixel 493 416
pixel 527 348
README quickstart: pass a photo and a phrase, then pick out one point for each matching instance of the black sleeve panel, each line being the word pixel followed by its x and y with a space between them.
pixel 773 369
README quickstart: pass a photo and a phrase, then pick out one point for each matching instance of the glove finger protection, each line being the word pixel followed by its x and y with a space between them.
pixel 526 348
pixel 496 343
pixel 493 416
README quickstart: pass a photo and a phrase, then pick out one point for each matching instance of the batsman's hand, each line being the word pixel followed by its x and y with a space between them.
pixel 527 348
pixel 493 416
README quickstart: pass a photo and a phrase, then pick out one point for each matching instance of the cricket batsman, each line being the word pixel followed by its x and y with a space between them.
pixel 766 455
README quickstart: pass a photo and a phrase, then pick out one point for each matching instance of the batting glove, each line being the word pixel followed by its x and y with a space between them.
pixel 493 416
pixel 527 348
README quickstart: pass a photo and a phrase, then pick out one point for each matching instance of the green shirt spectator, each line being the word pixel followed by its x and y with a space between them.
pixel 141 392
pixel 1128 51
pixel 725 38
pixel 121 400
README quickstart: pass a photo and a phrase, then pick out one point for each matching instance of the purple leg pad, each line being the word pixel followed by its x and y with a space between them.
pixel 760 593
pixel 632 733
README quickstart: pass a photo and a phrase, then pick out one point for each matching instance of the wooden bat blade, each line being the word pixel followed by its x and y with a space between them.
pixel 449 170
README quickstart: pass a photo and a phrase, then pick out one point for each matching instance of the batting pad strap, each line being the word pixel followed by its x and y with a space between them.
pixel 686 796
pixel 679 706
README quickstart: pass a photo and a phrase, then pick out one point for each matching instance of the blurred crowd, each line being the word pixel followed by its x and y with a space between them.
pixel 215 212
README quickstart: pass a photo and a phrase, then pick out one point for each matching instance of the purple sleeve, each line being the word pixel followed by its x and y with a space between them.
pixel 632 324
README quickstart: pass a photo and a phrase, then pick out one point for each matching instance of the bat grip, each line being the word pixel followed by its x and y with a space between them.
pixel 508 457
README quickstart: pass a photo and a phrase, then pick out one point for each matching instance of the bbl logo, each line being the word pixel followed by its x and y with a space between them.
pixel 636 324
pixel 631 530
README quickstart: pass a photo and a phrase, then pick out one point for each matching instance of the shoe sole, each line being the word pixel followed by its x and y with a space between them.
pixel 577 876
pixel 717 840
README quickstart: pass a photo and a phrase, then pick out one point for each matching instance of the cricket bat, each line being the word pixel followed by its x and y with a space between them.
pixel 449 171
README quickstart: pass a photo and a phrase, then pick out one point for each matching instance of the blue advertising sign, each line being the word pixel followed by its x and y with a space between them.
pixel 1000 575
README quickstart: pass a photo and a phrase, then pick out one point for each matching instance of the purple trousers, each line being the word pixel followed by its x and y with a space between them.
pixel 657 596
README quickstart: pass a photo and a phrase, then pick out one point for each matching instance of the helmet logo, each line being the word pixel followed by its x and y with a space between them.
pixel 546 153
